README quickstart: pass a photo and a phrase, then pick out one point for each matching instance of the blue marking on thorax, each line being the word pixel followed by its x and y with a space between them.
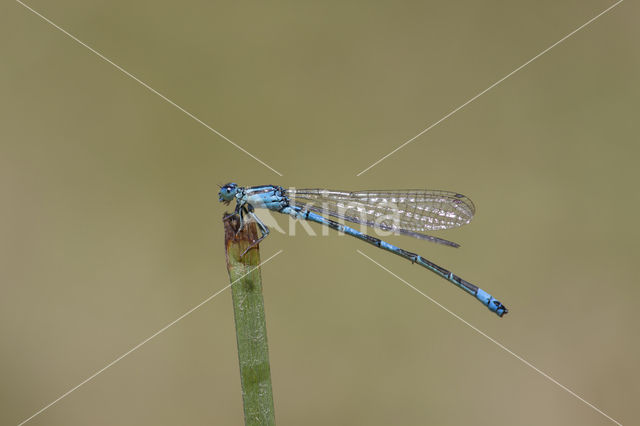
pixel 266 197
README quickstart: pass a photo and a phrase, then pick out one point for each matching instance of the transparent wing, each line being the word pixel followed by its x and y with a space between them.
pixel 408 212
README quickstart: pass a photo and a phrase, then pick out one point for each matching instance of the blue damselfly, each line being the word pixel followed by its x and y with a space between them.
pixel 405 212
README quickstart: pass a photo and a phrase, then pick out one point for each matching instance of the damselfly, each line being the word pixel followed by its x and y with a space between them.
pixel 405 212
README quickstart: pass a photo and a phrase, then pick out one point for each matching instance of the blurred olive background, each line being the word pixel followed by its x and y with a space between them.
pixel 111 226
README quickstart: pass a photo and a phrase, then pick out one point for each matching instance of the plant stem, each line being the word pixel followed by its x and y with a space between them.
pixel 251 328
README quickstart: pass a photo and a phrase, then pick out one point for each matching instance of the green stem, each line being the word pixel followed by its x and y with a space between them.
pixel 251 328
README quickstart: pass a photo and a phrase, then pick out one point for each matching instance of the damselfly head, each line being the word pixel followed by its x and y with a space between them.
pixel 227 192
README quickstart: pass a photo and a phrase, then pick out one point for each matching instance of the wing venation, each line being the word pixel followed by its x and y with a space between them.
pixel 405 211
